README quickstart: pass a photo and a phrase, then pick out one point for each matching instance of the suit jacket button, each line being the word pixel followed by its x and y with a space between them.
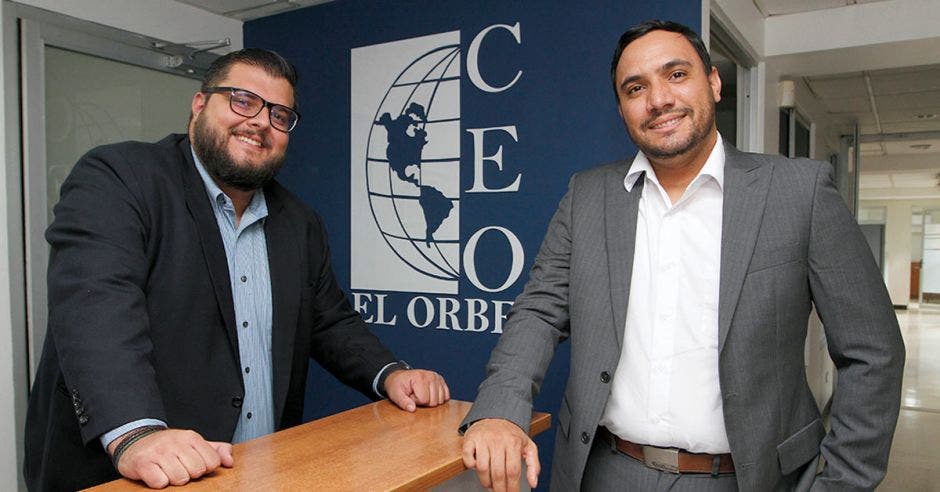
pixel 82 419
pixel 585 438
pixel 605 377
pixel 237 402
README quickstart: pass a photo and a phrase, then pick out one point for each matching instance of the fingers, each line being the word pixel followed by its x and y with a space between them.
pixel 483 463
pixel 495 448
pixel 400 396
pixel 153 476
pixel 172 457
pixel 411 388
pixel 533 466
pixel 224 451
pixel 429 388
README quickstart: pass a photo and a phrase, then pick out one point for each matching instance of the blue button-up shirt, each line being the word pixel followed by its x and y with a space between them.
pixel 247 255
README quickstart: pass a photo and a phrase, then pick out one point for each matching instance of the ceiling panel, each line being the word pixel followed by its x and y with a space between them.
pixel 848 105
pixel 911 101
pixel 899 115
pixel 783 7
pixel 913 147
pixel 841 87
pixel 914 79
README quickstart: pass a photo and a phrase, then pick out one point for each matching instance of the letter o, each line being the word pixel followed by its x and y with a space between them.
pixel 517 259
pixel 428 310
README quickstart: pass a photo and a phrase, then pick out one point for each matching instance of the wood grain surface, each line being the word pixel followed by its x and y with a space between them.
pixel 372 447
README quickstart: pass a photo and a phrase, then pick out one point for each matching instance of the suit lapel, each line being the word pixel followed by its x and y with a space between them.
pixel 745 193
pixel 620 216
pixel 283 262
pixel 210 240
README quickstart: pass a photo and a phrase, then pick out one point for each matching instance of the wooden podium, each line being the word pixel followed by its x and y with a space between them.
pixel 373 447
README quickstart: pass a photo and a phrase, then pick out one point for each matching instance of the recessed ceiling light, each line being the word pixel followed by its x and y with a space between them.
pixel 925 116
pixel 921 146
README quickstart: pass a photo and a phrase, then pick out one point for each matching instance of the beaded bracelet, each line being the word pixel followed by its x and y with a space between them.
pixel 132 437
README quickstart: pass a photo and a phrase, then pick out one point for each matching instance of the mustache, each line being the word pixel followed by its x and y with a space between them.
pixel 265 141
pixel 658 114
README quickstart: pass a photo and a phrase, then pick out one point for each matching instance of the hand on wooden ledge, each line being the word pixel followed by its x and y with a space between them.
pixel 171 457
pixel 416 387
pixel 495 448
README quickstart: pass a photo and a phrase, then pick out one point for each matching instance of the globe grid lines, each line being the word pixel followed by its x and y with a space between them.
pixel 447 270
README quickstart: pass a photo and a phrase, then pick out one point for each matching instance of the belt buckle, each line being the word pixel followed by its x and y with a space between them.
pixel 663 459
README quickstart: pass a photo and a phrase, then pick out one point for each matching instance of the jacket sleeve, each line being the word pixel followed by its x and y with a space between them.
pixel 341 341
pixel 536 324
pixel 98 320
pixel 864 342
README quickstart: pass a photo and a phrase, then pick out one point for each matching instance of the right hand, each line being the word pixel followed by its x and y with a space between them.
pixel 495 448
pixel 172 457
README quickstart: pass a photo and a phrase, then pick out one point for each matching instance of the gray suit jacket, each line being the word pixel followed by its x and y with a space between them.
pixel 788 243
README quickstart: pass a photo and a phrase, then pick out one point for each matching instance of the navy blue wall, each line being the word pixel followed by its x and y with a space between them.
pixel 562 107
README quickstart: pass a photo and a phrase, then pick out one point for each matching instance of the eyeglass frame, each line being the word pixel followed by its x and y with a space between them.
pixel 264 104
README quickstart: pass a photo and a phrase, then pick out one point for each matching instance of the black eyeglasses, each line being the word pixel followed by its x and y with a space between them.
pixel 249 104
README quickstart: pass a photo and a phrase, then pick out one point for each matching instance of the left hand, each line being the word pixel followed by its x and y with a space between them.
pixel 413 387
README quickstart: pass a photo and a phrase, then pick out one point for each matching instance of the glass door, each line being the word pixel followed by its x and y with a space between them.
pixel 80 88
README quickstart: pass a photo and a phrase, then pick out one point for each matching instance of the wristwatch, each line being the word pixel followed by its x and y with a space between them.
pixel 394 366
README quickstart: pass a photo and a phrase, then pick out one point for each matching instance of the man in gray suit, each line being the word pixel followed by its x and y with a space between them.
pixel 684 279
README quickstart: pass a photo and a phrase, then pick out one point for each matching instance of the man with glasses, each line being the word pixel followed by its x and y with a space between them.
pixel 187 292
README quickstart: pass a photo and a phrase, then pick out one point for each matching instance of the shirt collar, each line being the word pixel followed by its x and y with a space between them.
pixel 714 167
pixel 258 206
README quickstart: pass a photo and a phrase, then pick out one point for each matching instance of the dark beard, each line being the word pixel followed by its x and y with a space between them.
pixel 210 147
pixel 696 137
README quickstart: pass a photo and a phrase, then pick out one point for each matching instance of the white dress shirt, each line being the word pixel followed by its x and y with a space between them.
pixel 665 391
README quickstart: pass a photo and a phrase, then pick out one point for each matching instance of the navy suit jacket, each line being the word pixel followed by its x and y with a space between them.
pixel 141 320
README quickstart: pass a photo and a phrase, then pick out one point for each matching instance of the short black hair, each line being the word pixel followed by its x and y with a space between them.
pixel 272 63
pixel 649 26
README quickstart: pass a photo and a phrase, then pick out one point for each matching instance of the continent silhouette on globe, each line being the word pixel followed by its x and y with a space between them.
pixel 414 196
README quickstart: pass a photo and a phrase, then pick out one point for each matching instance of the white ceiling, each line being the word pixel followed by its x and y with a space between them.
pixel 250 9
pixel 784 7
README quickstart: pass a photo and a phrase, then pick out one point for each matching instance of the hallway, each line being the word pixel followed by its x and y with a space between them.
pixel 915 454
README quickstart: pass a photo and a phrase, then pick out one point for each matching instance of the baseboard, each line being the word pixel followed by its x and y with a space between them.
pixel 900 306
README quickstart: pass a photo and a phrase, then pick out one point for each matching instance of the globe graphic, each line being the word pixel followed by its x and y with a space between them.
pixel 413 164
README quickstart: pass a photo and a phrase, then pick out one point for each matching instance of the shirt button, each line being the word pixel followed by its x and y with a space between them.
pixel 237 402
pixel 247 370
pixel 248 416
pixel 585 438
pixel 245 324
pixel 605 377
pixel 244 278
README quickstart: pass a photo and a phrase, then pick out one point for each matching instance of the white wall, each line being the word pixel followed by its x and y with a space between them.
pixel 745 22
pixel 161 19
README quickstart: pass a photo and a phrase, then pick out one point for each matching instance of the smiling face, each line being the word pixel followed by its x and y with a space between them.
pixel 667 98
pixel 239 152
